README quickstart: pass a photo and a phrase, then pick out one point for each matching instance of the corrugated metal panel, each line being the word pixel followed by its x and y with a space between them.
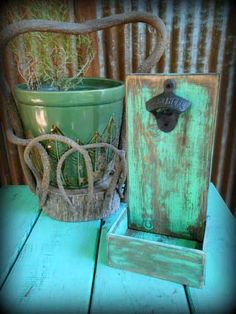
pixel 202 39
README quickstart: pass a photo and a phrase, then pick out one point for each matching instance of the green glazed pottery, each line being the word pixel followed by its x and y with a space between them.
pixel 90 114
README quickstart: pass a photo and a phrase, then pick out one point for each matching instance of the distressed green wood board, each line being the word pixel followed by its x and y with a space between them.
pixel 169 172
pixel 54 272
pixel 119 291
pixel 19 209
pixel 218 294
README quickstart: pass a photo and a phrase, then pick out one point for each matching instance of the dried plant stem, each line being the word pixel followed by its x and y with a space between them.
pixel 48 58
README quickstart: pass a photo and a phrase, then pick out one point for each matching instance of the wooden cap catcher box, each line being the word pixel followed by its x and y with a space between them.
pixel 170 128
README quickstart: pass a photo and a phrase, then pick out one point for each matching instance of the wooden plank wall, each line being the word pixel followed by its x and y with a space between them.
pixel 202 39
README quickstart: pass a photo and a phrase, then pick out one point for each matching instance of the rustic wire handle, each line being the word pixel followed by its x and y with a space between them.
pixel 8 33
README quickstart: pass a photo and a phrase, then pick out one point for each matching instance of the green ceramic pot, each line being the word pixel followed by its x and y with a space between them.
pixel 90 114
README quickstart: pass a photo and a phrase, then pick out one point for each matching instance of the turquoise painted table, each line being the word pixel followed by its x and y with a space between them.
pixel 48 266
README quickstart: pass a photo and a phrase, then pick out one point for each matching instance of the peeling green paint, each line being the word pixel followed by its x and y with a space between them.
pixel 169 172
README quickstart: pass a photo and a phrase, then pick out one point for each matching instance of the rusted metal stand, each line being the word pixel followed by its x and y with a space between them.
pixel 90 203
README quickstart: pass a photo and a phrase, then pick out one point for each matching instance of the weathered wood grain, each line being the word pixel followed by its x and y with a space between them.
pixel 218 294
pixel 54 271
pixel 158 257
pixel 117 291
pixel 19 209
pixel 169 172
pixel 56 206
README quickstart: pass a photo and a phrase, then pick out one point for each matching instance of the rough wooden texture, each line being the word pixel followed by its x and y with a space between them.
pixel 116 291
pixel 54 271
pixel 160 258
pixel 19 209
pixel 218 294
pixel 59 209
pixel 169 172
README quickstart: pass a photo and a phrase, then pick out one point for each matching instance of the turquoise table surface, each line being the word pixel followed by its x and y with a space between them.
pixel 47 266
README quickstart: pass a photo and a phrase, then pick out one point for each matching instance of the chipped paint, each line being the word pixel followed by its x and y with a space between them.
pixel 168 177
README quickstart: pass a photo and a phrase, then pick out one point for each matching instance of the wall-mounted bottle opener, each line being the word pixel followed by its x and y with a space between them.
pixel 167 107
pixel 162 231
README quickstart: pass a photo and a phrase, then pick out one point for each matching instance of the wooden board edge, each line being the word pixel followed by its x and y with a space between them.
pixel 158 244
pixel 132 75
pixel 115 225
pixel 199 282
pixel 116 239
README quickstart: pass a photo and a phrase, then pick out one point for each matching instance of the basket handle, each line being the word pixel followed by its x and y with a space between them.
pixel 25 26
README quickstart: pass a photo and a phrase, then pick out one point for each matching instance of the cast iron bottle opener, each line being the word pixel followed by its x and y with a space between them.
pixel 167 107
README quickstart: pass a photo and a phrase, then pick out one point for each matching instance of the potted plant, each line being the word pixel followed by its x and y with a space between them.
pixel 54 99
pixel 84 110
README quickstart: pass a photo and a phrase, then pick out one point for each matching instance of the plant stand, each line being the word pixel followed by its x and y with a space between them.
pixel 93 202
pixel 171 138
